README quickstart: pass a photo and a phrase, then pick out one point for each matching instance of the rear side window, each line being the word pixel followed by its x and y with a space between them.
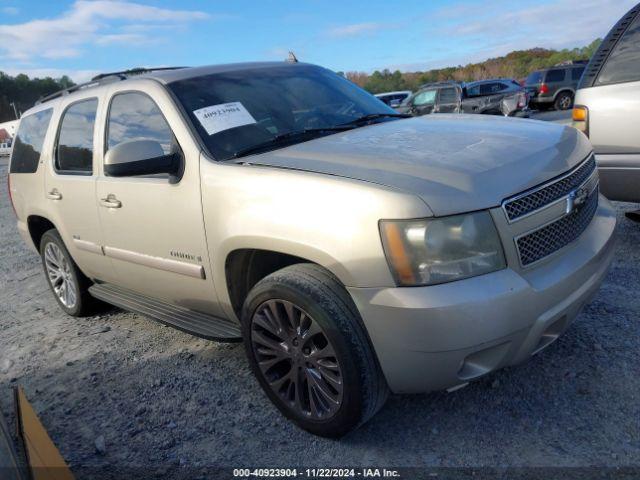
pixel 623 64
pixel 448 95
pixel 27 146
pixel 491 88
pixel 74 149
pixel 576 73
pixel 134 116
pixel 555 76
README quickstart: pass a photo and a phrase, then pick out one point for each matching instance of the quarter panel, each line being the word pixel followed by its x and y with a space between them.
pixel 613 122
pixel 613 131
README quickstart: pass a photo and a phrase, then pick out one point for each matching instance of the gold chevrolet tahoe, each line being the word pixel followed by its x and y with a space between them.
pixel 354 251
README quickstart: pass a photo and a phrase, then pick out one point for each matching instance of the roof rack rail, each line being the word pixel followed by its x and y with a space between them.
pixel 442 82
pixel 102 79
pixel 122 74
pixel 568 63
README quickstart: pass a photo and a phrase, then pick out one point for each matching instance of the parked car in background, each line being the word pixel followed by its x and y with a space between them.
pixel 394 99
pixel 495 97
pixel 607 108
pixel 5 149
pixel 554 87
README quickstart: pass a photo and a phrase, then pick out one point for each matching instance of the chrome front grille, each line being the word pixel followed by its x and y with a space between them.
pixel 528 202
pixel 540 243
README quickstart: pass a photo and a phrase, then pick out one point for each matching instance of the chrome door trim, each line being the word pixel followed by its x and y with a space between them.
pixel 88 246
pixel 174 266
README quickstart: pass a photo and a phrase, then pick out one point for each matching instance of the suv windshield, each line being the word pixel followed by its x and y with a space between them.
pixel 257 109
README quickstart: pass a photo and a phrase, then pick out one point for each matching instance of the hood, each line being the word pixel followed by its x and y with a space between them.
pixel 455 163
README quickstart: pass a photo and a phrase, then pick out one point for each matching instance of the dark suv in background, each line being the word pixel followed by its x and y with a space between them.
pixel 554 87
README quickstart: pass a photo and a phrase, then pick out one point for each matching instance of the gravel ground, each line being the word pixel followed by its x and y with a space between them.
pixel 149 395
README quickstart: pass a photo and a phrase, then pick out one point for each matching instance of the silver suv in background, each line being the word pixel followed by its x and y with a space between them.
pixel 489 97
pixel 394 99
pixel 355 252
pixel 608 105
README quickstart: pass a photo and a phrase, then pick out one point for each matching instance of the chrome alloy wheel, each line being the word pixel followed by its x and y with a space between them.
pixel 565 102
pixel 297 359
pixel 59 274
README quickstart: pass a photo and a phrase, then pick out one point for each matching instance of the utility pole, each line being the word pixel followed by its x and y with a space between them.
pixel 15 111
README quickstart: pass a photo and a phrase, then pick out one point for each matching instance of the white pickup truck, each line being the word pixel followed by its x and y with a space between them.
pixel 5 149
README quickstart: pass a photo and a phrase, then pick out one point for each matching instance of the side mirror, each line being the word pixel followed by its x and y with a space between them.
pixel 141 157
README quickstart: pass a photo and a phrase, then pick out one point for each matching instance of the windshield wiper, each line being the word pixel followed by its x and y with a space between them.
pixel 287 136
pixel 373 116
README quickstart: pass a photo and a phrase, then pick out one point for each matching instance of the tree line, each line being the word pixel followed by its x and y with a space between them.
pixel 24 92
pixel 518 65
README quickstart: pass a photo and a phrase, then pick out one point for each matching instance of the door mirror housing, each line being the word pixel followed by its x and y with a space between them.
pixel 142 157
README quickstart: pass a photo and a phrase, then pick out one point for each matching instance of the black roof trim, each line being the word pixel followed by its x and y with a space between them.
pixel 606 47
pixel 102 79
pixel 442 83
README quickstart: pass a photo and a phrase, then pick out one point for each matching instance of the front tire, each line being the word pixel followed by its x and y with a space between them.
pixel 310 352
pixel 67 282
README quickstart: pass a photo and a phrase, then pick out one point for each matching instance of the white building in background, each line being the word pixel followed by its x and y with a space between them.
pixel 10 127
pixel 7 134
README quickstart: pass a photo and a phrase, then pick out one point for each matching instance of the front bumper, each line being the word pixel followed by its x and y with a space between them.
pixel 619 176
pixel 438 337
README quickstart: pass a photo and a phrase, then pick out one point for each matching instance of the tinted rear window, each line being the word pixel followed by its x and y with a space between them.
pixel 533 78
pixel 448 95
pixel 623 65
pixel 555 76
pixel 576 73
pixel 491 88
pixel 27 146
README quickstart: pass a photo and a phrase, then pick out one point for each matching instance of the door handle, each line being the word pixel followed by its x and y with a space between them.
pixel 54 195
pixel 110 202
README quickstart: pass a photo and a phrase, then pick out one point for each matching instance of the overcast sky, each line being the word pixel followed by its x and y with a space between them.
pixel 82 38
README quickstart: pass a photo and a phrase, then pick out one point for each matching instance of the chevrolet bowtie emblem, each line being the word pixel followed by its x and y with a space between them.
pixel 576 199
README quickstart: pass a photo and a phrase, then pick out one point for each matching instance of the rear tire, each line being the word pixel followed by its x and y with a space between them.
pixel 68 284
pixel 308 348
pixel 564 101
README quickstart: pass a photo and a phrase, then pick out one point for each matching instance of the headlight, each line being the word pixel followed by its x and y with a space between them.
pixel 439 250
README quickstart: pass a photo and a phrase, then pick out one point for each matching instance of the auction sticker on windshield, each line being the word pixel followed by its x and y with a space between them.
pixel 224 116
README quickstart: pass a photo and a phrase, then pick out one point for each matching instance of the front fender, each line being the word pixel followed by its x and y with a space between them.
pixel 326 219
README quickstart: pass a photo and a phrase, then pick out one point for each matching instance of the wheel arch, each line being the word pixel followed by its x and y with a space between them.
pixel 38 226
pixel 562 90
pixel 245 265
